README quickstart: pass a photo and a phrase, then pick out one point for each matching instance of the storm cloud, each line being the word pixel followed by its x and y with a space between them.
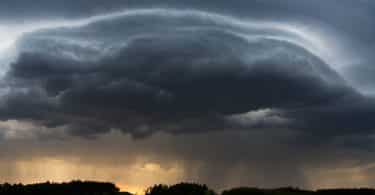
pixel 165 70
pixel 263 87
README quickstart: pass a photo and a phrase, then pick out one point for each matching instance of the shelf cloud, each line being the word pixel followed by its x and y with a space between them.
pixel 177 71
pixel 245 87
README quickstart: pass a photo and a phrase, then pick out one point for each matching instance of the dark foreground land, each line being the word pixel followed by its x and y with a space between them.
pixel 100 188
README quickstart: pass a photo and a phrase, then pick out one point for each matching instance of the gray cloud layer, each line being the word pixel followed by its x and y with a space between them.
pixel 185 74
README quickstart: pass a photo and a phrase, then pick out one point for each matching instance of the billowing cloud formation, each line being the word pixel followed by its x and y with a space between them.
pixel 183 71
pixel 229 93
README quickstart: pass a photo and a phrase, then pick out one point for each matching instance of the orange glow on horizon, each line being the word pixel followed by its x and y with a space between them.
pixel 138 190
pixel 134 178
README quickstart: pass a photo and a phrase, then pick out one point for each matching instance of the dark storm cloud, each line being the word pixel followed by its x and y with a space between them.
pixel 184 71
pixel 354 20
pixel 176 77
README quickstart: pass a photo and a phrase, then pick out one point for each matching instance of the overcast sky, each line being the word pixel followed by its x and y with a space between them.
pixel 262 93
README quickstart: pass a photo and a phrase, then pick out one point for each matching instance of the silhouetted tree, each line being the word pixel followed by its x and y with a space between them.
pixel 360 191
pixel 244 191
pixel 296 191
pixel 72 188
pixel 102 188
pixel 158 190
pixel 180 189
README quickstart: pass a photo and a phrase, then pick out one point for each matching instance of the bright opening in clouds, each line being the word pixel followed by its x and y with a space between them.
pixel 7 40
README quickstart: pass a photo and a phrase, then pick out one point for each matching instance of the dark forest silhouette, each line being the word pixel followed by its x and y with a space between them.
pixel 71 188
pixel 102 188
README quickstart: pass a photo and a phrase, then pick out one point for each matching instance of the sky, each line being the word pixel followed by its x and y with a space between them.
pixel 260 93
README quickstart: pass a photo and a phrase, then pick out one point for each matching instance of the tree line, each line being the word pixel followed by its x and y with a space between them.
pixel 71 188
pixel 103 188
pixel 198 189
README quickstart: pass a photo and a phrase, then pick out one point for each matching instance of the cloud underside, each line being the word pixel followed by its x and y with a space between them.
pixel 125 74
